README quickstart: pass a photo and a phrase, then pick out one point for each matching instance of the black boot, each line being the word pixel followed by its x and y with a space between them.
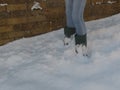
pixel 81 44
pixel 68 32
pixel 81 40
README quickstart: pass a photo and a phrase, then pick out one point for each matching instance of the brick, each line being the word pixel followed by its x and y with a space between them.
pixel 6 29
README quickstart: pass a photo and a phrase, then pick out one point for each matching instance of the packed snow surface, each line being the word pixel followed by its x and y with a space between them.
pixel 44 63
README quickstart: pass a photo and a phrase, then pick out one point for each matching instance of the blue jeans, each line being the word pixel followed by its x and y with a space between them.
pixel 74 15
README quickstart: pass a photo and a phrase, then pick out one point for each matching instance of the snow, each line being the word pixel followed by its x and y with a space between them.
pixel 36 6
pixel 44 63
pixel 3 4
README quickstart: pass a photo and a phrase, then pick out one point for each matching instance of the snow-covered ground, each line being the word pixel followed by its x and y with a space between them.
pixel 44 63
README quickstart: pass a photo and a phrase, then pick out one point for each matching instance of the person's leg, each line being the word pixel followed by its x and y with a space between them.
pixel 69 9
pixel 81 32
pixel 69 30
pixel 77 15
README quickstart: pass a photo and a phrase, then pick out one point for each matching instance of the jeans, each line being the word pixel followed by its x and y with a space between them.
pixel 74 15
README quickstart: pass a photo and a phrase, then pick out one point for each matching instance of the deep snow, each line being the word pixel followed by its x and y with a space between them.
pixel 44 63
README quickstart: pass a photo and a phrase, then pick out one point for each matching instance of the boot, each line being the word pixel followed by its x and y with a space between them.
pixel 81 44
pixel 81 39
pixel 69 33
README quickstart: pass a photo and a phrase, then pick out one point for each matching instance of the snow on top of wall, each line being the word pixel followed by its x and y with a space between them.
pixel 36 5
pixel 3 4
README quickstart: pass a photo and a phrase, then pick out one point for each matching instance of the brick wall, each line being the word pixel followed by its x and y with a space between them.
pixel 17 20
pixel 96 9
